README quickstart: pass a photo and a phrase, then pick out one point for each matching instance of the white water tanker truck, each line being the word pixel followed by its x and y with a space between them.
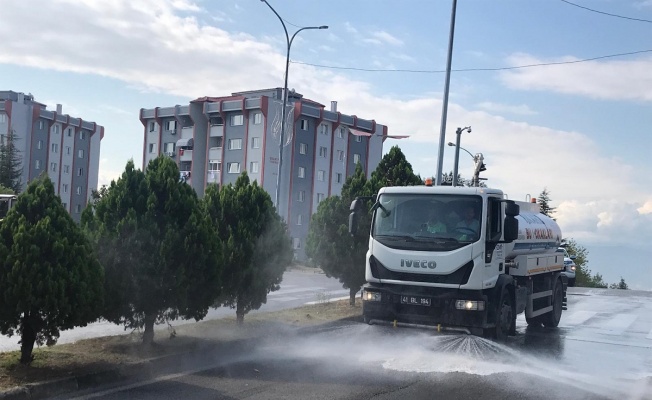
pixel 462 259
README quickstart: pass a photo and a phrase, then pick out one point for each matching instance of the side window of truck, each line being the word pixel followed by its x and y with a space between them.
pixel 494 213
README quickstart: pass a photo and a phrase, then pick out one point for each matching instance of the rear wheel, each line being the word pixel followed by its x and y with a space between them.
pixel 571 282
pixel 552 318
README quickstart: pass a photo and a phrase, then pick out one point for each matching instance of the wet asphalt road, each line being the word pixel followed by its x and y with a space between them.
pixel 602 350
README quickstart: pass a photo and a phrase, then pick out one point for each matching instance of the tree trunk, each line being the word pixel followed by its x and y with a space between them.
pixel 148 336
pixel 27 339
pixel 239 313
pixel 352 293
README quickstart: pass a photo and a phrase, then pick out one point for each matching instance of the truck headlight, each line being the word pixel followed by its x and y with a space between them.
pixel 371 296
pixel 470 305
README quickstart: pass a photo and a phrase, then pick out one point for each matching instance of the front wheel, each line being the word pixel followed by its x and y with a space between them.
pixel 552 318
pixel 505 318
pixel 571 282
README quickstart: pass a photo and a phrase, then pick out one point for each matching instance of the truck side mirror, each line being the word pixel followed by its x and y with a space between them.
pixel 512 209
pixel 353 222
pixel 511 228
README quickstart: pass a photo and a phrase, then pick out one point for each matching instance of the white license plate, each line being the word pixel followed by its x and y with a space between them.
pixel 416 301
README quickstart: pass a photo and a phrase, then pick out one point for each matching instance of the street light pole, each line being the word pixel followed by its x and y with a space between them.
pixel 288 41
pixel 444 111
pixel 458 132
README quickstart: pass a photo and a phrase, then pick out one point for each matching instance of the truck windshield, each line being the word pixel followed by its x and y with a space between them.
pixel 428 222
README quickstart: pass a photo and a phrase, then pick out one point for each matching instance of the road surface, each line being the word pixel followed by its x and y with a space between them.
pixel 602 350
pixel 298 288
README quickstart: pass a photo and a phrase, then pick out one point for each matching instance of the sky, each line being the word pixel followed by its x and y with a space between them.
pixel 581 129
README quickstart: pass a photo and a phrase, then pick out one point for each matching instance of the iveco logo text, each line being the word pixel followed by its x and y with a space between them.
pixel 418 264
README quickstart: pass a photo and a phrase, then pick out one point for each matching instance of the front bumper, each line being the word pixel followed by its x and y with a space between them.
pixel 441 311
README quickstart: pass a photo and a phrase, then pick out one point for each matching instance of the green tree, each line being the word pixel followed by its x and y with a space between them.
pixel 257 247
pixel 50 279
pixel 544 203
pixel 11 162
pixel 582 272
pixel 393 170
pixel 331 246
pixel 597 281
pixel 6 190
pixel 620 285
pixel 161 256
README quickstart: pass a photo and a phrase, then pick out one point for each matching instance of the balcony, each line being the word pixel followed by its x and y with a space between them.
pixel 186 132
pixel 212 177
pixel 215 153
pixel 216 131
pixel 185 155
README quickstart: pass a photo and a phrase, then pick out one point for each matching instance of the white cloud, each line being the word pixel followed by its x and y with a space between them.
pixel 402 57
pixel 162 51
pixel 615 80
pixel 644 3
pixel 385 37
pixel 521 109
pixel 185 5
pixel 349 28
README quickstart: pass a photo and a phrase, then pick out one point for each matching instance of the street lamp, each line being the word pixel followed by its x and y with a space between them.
pixel 289 41
pixel 458 132
pixel 478 159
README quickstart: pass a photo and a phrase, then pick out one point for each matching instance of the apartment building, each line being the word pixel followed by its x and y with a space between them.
pixel 64 147
pixel 214 139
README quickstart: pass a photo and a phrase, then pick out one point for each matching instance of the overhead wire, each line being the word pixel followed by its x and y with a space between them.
pixel 606 13
pixel 424 71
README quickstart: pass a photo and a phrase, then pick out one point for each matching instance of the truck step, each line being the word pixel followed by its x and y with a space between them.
pixel 564 308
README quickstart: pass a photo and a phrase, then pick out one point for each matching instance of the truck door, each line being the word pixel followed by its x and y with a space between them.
pixel 494 253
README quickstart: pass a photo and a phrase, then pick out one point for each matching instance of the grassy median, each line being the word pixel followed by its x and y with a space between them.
pixel 91 355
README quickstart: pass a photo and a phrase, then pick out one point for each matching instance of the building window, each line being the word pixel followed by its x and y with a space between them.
pixel 55 148
pixel 340 133
pixel 303 148
pixel 324 129
pixel 65 187
pixel 66 169
pixel 234 168
pixel 358 138
pixel 55 129
pixel 80 172
pixel 53 167
pixel 258 118
pixel 171 125
pixel 68 150
pixel 218 142
pixel 65 205
pixel 151 147
pixel 356 158
pixel 340 155
pixel 3 118
pixel 321 175
pixel 296 243
pixel 40 125
pixel 304 124
pixel 77 208
pixel 255 142
pixel 320 197
pixel 299 219
pixel 253 167
pixel 39 145
pixel 302 172
pixel 216 121
pixel 237 120
pixel 170 147
pixel 301 196
pixel 338 177
pixel 152 126
pixel 214 165
pixel 80 154
pixel 79 190
pixel 235 144
pixel 323 151
pixel 82 135
pixel 37 164
pixel 69 132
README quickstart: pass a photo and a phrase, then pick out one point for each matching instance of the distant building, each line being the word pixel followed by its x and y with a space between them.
pixel 64 147
pixel 214 139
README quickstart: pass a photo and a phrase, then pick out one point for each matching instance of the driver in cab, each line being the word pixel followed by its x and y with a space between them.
pixel 468 226
pixel 434 224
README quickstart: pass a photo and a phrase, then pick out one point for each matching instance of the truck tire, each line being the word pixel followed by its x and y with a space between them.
pixel 571 282
pixel 551 319
pixel 533 321
pixel 505 318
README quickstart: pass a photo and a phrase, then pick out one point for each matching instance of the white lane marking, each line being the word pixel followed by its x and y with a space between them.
pixel 618 324
pixel 576 318
pixel 285 298
pixel 320 302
